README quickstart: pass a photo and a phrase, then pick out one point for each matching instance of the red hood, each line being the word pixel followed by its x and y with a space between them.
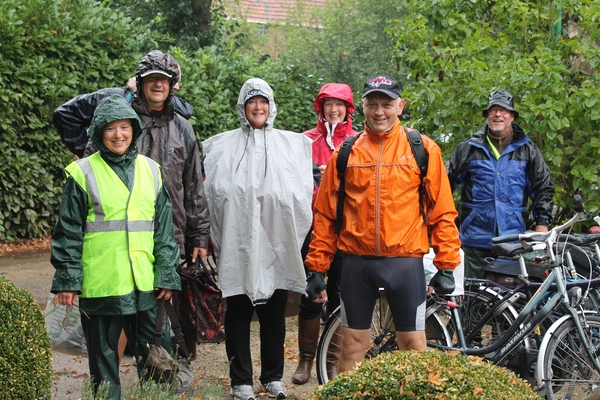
pixel 337 91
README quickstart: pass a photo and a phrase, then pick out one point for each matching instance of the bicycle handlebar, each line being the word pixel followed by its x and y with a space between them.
pixel 552 234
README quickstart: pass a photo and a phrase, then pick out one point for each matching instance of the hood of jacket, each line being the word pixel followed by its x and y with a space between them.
pixel 333 136
pixel 113 108
pixel 337 91
pixel 156 60
pixel 255 87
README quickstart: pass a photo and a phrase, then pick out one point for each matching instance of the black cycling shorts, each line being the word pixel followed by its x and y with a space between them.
pixel 402 279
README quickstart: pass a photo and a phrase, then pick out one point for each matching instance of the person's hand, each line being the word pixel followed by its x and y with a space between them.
pixel 165 294
pixel 65 298
pixel 322 168
pixel 315 287
pixel 442 282
pixel 199 251
pixel 132 84
pixel 594 229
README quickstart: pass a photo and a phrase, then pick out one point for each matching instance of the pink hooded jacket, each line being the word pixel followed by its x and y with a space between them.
pixel 325 140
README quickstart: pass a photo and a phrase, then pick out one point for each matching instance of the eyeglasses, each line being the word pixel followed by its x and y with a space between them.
pixel 501 110
pixel 157 78
pixel 66 322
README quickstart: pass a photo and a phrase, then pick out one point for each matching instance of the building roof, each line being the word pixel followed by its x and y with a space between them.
pixel 265 11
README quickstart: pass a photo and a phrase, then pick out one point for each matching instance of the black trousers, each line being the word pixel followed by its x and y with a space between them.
pixel 102 334
pixel 271 316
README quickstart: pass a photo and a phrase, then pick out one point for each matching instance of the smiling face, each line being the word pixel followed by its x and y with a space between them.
pixel 117 136
pixel 381 111
pixel 499 120
pixel 257 111
pixel 155 89
pixel 334 110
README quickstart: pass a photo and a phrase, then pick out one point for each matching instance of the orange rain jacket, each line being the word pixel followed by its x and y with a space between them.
pixel 381 210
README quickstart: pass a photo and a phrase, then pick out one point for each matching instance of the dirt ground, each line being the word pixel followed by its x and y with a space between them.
pixel 29 267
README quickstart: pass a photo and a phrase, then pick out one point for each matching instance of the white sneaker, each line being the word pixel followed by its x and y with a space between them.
pixel 242 392
pixel 276 390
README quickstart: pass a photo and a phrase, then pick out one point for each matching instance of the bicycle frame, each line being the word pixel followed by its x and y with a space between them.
pixel 517 331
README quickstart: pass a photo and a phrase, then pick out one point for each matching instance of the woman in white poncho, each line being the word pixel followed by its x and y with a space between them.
pixel 259 187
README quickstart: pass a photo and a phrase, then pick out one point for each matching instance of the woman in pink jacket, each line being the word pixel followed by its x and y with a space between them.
pixel 334 105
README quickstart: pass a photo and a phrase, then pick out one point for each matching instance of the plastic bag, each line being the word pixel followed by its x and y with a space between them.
pixel 64 325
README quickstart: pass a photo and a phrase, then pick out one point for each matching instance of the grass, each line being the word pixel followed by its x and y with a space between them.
pixel 152 390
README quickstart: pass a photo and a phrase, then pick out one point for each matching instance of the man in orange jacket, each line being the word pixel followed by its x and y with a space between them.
pixel 383 234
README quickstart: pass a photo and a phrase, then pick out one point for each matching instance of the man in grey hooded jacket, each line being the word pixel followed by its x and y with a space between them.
pixel 259 188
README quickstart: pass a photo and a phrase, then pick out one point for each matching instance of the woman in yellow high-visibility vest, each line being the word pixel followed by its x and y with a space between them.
pixel 113 244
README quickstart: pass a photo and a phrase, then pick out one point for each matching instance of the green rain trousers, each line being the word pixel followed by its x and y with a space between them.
pixel 102 334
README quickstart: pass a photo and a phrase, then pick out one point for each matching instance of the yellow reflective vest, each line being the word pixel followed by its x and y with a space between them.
pixel 118 239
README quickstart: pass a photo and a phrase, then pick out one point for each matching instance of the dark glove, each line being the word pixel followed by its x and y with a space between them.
pixel 315 284
pixel 443 282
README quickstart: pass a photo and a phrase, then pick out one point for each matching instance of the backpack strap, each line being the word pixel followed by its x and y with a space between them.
pixel 342 163
pixel 422 158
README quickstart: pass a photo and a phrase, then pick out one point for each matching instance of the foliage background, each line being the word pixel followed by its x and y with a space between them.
pixel 457 52
pixel 52 51
pixel 448 54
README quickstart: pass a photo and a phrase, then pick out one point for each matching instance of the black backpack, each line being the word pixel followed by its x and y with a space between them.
pixel 416 144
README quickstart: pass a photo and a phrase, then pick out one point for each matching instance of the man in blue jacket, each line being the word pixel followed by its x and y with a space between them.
pixel 497 170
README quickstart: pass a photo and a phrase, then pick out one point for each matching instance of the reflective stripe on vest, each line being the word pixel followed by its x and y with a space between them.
pixel 118 240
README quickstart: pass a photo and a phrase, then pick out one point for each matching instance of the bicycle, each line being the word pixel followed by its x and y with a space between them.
pixel 502 318
pixel 566 363
pixel 495 304
pixel 383 336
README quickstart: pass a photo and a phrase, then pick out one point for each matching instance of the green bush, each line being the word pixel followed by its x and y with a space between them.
pixel 50 51
pixel 427 374
pixel 25 352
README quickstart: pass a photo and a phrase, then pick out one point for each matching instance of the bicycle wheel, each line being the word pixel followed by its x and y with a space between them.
pixel 383 337
pixel 477 300
pixel 567 371
pixel 329 342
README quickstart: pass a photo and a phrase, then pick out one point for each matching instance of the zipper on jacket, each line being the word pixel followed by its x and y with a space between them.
pixel 377 197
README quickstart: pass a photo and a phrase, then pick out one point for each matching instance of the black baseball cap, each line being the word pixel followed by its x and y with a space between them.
pixel 384 84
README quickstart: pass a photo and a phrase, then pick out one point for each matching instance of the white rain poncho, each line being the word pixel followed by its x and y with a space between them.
pixel 259 189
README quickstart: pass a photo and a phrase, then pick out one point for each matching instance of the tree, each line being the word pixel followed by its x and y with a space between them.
pixel 344 41
pixel 189 24
pixel 457 52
